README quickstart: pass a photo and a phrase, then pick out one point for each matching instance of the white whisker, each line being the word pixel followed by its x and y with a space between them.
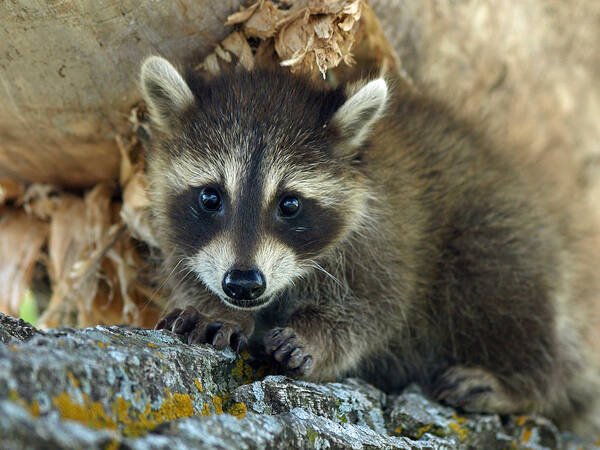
pixel 317 266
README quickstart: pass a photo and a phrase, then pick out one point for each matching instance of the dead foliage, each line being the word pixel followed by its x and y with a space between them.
pixel 91 246
pixel 305 35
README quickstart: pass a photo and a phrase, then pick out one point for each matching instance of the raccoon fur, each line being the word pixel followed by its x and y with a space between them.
pixel 369 231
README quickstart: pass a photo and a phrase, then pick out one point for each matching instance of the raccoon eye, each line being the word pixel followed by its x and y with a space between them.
pixel 289 206
pixel 210 199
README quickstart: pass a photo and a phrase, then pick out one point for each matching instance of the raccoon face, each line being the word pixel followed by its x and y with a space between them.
pixel 254 175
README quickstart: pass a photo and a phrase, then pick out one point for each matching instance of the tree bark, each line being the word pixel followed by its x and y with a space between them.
pixel 68 77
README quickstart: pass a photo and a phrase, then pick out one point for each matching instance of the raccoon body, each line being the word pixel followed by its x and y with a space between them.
pixel 370 232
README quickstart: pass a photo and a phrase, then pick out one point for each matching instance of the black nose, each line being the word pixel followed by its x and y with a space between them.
pixel 244 284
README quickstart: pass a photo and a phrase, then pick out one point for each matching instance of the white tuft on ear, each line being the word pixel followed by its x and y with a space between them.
pixel 358 114
pixel 164 90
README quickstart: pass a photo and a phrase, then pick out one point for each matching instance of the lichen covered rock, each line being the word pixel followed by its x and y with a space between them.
pixel 111 387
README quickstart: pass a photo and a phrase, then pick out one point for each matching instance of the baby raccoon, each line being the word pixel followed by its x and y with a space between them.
pixel 368 231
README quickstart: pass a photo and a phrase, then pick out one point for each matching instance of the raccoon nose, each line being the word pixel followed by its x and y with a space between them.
pixel 244 284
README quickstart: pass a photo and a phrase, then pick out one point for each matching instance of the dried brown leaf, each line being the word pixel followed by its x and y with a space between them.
pixel 211 64
pixel 294 40
pixel 264 22
pixel 41 200
pixel 66 244
pixel 243 15
pixel 98 214
pixel 11 190
pixel 323 26
pixel 126 166
pixel 237 44
pixel 223 54
pixel 135 211
pixel 321 34
pixel 67 236
pixel 22 239
pixel 307 34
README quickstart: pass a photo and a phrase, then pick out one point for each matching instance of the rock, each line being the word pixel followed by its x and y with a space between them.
pixel 123 387
pixel 15 329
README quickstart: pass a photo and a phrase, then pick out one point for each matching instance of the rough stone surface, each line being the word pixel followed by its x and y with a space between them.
pixel 120 387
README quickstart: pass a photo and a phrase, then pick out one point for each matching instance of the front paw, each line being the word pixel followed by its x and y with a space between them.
pixel 470 388
pixel 289 351
pixel 198 328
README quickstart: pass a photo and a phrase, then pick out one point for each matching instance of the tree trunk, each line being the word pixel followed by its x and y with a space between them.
pixel 68 72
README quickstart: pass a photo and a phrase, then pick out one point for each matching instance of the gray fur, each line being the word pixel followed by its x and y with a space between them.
pixel 444 261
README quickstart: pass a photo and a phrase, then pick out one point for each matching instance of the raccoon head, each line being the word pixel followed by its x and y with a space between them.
pixel 255 175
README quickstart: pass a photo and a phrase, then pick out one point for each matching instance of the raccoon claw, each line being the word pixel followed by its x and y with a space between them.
pixel 220 335
pixel 288 350
pixel 166 322
pixel 471 389
pixel 197 329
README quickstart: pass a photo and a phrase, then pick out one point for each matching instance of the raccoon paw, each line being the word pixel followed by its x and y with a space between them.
pixel 288 350
pixel 197 328
pixel 470 388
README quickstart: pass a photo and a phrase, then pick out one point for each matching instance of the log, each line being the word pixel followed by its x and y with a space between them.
pixel 68 73
pixel 531 68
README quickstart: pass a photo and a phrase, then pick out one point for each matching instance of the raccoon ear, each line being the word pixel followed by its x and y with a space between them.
pixel 358 114
pixel 164 90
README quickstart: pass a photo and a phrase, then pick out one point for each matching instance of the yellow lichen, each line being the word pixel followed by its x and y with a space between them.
pixel 398 430
pixel 526 435
pixel 74 381
pixel 521 420
pixel 175 406
pixel 120 409
pixel 238 369
pixel 242 371
pixel 198 384
pixel 89 413
pixel 101 344
pixel 205 410
pixel 183 405
pixel 238 410
pixel 113 445
pixel 34 409
pixel 13 348
pixel 248 372
pixel 421 431
pixel 460 431
pixel 312 436
pixel 139 426
pixel 13 396
pixel 218 404
pixel 458 419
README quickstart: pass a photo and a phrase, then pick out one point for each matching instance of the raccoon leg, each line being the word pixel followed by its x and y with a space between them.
pixel 475 390
pixel 199 328
pixel 323 342
pixel 288 350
